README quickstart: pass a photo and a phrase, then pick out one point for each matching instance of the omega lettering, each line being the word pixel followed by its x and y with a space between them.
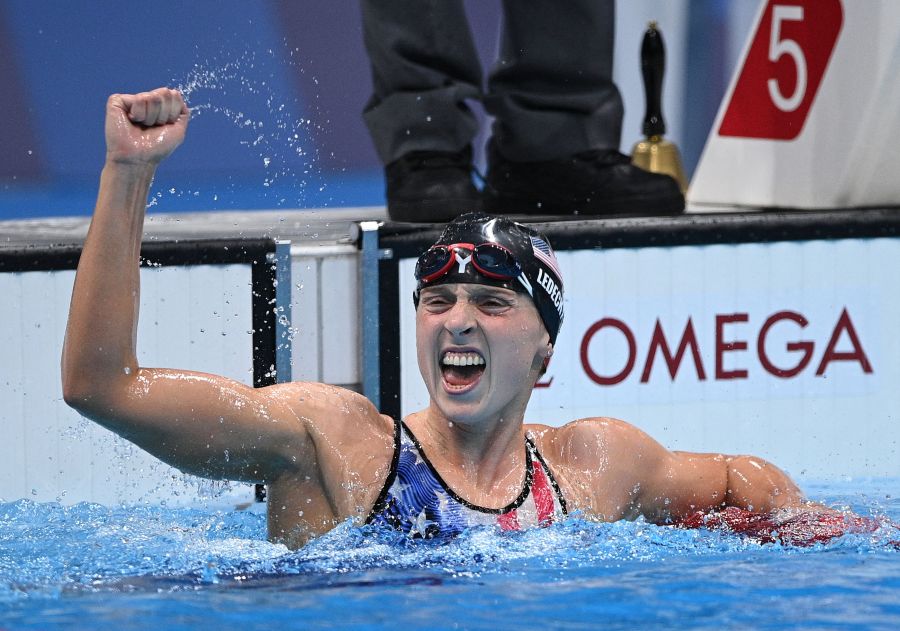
pixel 729 338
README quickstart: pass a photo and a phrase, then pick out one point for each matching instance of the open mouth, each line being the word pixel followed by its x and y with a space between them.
pixel 462 370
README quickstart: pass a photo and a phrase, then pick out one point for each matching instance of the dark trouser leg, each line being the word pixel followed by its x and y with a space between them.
pixel 424 65
pixel 551 90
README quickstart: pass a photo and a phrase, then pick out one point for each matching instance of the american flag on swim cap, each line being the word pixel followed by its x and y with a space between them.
pixel 544 253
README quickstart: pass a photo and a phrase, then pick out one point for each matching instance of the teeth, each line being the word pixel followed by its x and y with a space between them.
pixel 462 359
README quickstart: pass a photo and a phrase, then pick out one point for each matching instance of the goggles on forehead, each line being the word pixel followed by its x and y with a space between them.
pixel 490 259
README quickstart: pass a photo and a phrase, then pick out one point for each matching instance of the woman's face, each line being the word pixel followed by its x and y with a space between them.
pixel 480 350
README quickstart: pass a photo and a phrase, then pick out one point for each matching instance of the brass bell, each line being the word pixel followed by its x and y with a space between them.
pixel 654 153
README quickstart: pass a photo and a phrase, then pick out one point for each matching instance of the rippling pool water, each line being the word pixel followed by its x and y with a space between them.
pixel 152 567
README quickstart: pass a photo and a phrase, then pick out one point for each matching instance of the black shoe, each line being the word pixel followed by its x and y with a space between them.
pixel 431 186
pixel 590 183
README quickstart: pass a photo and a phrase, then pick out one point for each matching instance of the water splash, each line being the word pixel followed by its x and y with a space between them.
pixel 47 549
pixel 273 128
pixel 60 566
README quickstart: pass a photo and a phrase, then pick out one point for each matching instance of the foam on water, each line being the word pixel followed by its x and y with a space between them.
pixel 156 567
pixel 48 548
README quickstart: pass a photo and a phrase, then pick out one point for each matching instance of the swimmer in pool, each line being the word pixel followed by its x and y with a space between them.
pixel 488 309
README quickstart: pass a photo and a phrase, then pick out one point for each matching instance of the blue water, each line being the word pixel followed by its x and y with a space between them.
pixel 152 567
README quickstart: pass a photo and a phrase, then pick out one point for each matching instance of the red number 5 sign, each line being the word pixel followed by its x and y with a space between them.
pixel 783 69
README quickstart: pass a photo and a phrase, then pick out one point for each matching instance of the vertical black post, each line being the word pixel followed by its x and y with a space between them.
pixel 264 319
pixel 265 324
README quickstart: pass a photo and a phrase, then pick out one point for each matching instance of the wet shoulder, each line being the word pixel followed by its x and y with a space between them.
pixel 596 460
pixel 581 437
pixel 592 446
pixel 329 409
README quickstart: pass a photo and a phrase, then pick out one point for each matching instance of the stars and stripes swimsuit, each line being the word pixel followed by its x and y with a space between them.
pixel 417 501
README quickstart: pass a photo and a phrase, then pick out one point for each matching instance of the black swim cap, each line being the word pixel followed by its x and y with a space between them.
pixel 537 270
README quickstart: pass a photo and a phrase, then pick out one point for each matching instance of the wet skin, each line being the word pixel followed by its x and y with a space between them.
pixel 325 452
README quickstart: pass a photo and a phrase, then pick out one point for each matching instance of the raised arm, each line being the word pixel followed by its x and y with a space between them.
pixel 203 424
pixel 99 350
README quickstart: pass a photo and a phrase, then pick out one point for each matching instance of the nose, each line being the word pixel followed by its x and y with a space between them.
pixel 460 320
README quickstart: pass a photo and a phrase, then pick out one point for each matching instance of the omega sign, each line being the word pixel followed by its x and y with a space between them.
pixel 671 351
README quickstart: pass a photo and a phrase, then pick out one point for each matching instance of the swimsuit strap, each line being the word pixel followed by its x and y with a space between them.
pixel 415 498
pixel 381 502
pixel 532 447
pixel 521 497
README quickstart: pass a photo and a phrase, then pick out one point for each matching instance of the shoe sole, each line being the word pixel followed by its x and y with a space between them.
pixel 432 210
pixel 511 205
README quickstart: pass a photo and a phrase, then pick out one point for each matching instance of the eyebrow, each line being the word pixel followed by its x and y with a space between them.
pixel 498 292
pixel 439 290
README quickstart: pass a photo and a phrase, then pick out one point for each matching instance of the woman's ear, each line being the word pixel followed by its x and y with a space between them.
pixel 548 353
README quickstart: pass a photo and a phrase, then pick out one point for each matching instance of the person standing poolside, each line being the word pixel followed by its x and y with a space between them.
pixel 488 309
pixel 554 148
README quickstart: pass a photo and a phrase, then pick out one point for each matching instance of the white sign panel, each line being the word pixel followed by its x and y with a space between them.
pixel 811 117
pixel 789 351
pixel 197 317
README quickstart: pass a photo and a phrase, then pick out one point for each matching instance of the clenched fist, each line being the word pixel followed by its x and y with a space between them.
pixel 145 128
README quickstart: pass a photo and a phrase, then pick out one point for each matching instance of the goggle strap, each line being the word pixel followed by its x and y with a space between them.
pixel 526 284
